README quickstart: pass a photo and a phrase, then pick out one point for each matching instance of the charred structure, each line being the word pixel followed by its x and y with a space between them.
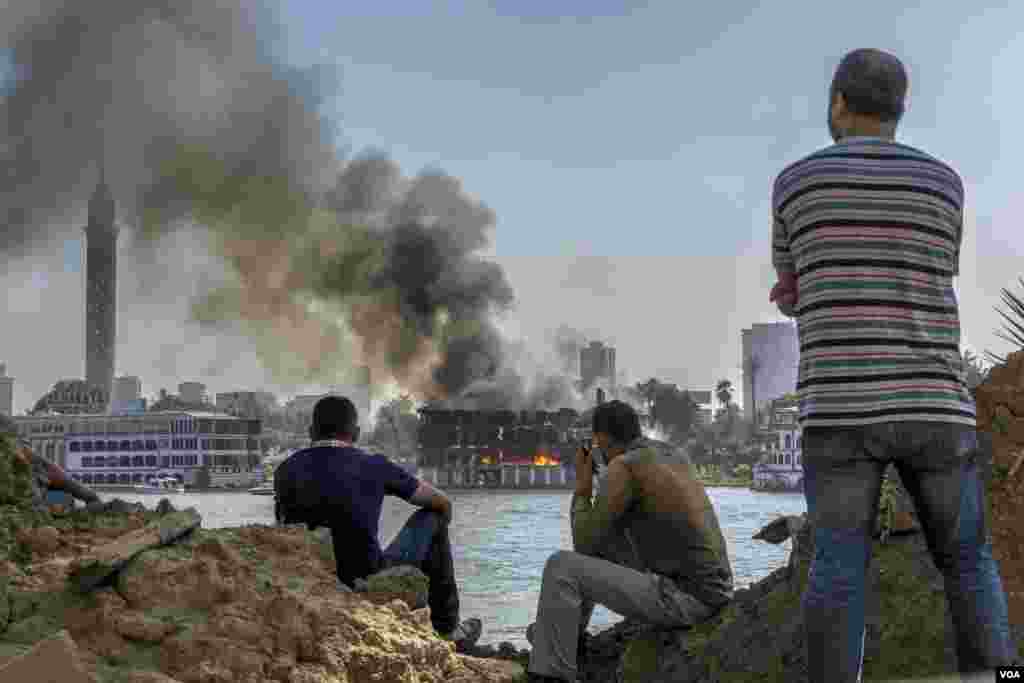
pixel 101 290
pixel 467 437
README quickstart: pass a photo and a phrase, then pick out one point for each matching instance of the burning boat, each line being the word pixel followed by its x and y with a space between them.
pixel 502 449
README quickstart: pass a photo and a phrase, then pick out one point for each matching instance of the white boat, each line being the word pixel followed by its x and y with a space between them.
pixel 163 484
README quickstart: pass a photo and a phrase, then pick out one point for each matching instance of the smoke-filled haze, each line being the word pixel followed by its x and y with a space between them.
pixel 246 226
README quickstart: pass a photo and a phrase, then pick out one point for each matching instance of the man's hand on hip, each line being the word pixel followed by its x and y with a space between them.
pixel 784 294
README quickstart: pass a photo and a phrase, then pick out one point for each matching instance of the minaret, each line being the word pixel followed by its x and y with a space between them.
pixel 101 289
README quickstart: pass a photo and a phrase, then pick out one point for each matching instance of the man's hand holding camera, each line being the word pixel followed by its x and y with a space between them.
pixel 584 471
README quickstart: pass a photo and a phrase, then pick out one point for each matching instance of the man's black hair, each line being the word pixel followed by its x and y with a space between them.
pixel 618 420
pixel 334 416
pixel 873 83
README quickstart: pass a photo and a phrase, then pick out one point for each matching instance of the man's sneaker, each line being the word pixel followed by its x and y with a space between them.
pixel 465 634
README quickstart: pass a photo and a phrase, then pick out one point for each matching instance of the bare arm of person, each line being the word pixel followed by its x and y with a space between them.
pixel 426 496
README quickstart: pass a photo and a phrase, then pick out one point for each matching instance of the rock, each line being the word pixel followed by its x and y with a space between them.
pixel 40 541
pixel 508 650
pixel 781 529
pixel 404 582
pixel 164 507
pixel 54 660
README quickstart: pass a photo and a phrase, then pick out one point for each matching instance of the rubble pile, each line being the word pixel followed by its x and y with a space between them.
pixel 118 592
pixel 1000 400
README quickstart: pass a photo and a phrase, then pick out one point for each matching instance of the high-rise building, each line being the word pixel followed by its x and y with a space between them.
pixel 597 361
pixel 6 392
pixel 101 290
pixel 771 356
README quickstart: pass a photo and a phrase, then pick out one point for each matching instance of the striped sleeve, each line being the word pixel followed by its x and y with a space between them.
pixel 782 259
pixel 959 242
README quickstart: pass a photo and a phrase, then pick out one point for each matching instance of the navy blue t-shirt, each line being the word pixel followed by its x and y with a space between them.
pixel 342 489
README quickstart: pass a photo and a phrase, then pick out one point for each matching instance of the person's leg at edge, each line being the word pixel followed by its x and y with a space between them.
pixel 842 483
pixel 945 484
pixel 423 542
pixel 571 580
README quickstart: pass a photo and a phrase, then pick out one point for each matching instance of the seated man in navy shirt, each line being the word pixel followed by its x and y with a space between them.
pixel 336 485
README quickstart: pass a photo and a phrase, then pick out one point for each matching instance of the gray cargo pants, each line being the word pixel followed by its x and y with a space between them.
pixel 573 583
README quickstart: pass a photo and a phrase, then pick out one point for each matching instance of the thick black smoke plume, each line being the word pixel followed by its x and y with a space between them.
pixel 331 263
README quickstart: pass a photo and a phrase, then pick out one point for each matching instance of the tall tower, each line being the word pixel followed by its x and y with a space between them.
pixel 101 289
pixel 6 392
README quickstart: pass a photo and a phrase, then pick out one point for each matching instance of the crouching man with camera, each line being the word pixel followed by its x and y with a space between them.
pixel 648 546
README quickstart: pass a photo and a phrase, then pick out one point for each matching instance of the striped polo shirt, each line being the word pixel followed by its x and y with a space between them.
pixel 872 229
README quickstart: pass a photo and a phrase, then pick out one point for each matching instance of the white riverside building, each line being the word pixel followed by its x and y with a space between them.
pixel 782 466
pixel 127 449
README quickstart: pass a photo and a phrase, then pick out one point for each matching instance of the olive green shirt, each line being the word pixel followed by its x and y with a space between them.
pixel 656 536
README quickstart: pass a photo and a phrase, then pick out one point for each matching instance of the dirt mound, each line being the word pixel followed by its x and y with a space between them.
pixel 1001 415
pixel 253 604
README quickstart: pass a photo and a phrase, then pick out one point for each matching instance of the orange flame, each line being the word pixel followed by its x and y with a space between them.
pixel 543 459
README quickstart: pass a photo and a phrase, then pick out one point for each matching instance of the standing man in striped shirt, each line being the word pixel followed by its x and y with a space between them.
pixel 866 242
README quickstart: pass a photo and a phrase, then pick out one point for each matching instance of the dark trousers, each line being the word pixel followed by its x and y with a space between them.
pixel 423 543
pixel 938 465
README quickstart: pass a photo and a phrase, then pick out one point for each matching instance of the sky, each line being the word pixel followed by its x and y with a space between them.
pixel 628 151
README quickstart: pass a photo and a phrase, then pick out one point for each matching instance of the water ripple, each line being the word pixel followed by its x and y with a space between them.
pixel 502 539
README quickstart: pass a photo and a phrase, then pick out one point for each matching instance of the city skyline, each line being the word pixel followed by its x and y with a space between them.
pixel 591 234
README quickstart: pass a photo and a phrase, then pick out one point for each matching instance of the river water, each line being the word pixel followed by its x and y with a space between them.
pixel 501 540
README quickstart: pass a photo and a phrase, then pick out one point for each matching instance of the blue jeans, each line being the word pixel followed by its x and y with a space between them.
pixel 423 543
pixel 938 465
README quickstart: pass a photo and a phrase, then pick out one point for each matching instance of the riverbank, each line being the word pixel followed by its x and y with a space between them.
pixel 727 483
pixel 253 603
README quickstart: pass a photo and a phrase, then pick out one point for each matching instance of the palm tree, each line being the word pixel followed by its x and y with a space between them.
pixel 976 370
pixel 723 392
pixel 1013 330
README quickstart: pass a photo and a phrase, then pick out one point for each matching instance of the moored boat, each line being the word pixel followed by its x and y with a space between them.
pixel 161 484
pixel 264 489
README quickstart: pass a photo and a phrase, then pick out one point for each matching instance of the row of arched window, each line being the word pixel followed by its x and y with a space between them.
pixel 123 445
pixel 137 445
pixel 139 461
pixel 110 478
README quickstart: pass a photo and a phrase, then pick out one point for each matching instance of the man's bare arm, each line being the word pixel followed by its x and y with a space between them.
pixel 426 496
